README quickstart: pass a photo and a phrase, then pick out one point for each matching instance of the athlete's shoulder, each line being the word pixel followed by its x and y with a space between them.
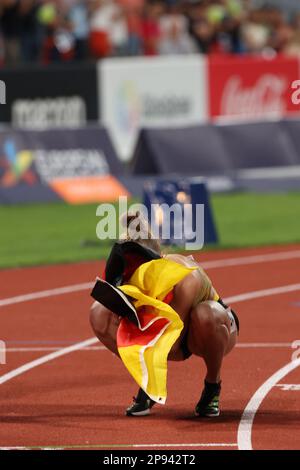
pixel 181 259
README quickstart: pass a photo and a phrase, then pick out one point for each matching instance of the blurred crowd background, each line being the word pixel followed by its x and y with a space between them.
pixel 72 30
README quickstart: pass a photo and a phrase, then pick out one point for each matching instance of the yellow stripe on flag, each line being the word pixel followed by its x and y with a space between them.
pixel 148 286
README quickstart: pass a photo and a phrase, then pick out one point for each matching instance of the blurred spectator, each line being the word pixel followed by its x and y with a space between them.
pixel 292 48
pixel 201 28
pixel 29 34
pixel 109 32
pixel 150 26
pixel 255 32
pixel 133 11
pixel 10 30
pixel 175 38
pixel 66 30
pixel 59 42
pixel 235 15
pixel 78 15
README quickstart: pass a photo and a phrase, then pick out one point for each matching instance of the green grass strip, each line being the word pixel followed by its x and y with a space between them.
pixel 60 233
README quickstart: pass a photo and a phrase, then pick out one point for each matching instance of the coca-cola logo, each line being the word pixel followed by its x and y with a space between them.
pixel 265 96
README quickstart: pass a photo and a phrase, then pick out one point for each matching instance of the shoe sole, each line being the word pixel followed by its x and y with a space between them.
pixel 207 415
pixel 139 413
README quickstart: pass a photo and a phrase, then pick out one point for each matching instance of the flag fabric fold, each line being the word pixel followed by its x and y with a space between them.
pixel 144 348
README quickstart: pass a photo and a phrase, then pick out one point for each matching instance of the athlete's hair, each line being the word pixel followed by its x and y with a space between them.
pixel 137 229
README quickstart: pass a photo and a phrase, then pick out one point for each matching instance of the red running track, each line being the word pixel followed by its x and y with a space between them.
pixel 78 400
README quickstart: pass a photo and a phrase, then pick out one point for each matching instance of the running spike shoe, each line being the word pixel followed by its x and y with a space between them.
pixel 141 405
pixel 208 405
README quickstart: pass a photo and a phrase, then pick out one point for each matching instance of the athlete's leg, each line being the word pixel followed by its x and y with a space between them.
pixel 105 325
pixel 210 336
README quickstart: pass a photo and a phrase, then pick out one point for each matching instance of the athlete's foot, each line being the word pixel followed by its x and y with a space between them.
pixel 208 405
pixel 141 405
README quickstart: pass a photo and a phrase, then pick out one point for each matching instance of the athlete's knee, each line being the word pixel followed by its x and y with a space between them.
pixel 99 318
pixel 205 317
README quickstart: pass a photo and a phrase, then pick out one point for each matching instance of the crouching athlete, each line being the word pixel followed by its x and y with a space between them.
pixel 210 327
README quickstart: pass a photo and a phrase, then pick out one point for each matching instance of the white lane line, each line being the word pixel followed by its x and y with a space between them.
pixel 44 349
pixel 245 260
pixel 91 341
pixel 81 287
pixel 49 357
pixel 128 446
pixel 246 423
pixel 262 293
pixel 252 259
pixel 245 427
pixel 46 293
pixel 103 348
pixel 264 345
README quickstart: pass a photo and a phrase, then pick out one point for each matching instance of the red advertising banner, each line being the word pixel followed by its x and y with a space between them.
pixel 249 87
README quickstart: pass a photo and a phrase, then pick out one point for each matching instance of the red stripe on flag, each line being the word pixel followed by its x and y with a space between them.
pixel 130 335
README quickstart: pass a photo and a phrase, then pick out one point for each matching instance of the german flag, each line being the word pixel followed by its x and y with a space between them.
pixel 144 348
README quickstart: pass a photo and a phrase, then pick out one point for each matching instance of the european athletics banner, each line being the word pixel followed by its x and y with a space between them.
pixel 73 165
